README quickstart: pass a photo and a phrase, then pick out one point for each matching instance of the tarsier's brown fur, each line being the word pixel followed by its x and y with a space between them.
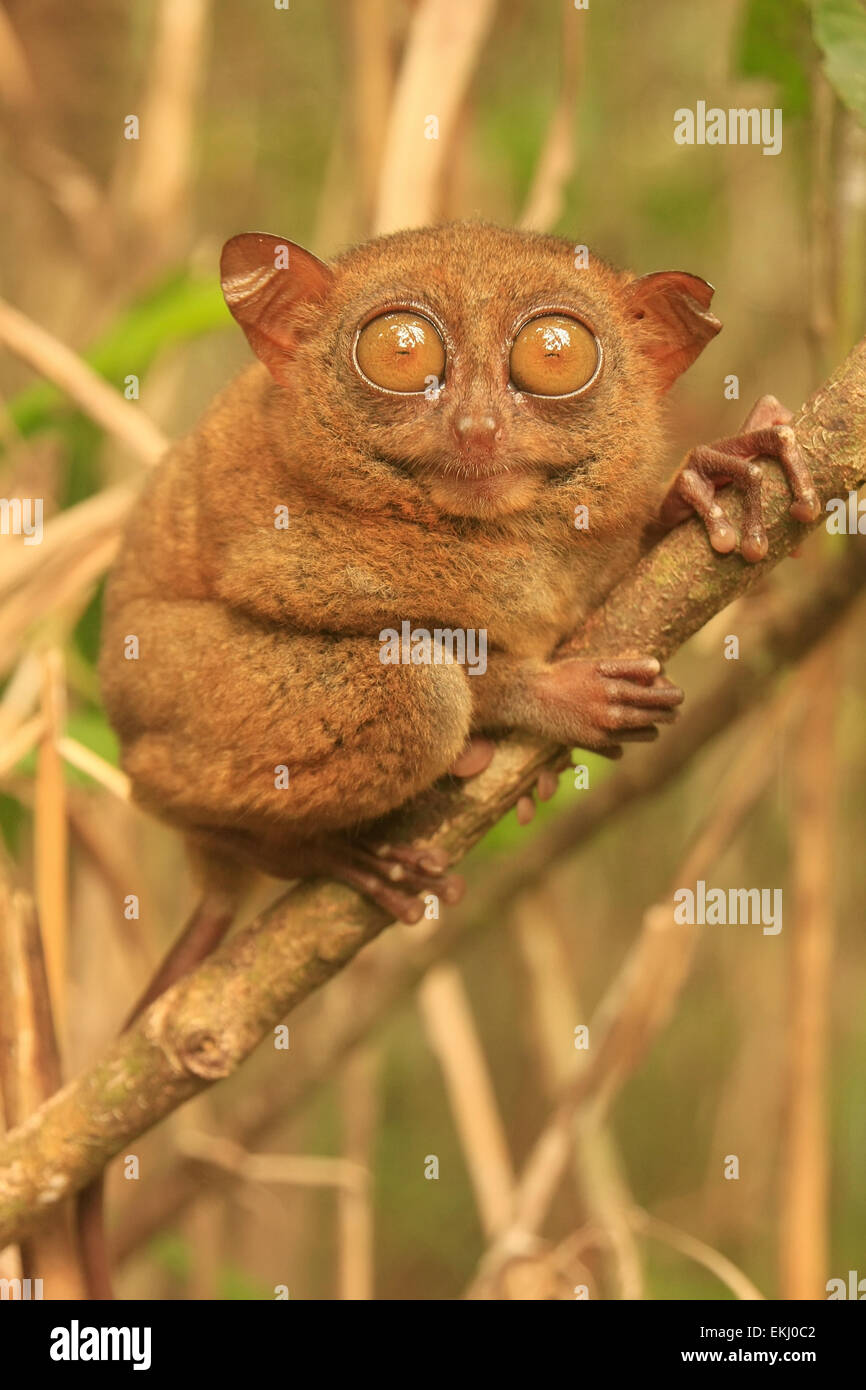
pixel 258 646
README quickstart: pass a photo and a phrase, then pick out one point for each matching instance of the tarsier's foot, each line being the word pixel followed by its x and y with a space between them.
pixel 397 877
pixel 766 433
pixel 477 755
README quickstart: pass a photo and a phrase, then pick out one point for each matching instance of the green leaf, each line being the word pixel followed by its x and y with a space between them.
pixel 178 310
pixel 840 33
pixel 775 43
pixel 92 729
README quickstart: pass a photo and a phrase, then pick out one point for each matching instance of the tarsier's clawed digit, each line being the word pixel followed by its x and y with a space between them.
pixel 766 433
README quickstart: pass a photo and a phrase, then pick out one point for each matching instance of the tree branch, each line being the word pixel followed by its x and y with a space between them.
pixel 204 1027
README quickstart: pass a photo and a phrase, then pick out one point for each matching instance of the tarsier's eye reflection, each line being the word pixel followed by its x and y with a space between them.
pixel 400 351
pixel 553 356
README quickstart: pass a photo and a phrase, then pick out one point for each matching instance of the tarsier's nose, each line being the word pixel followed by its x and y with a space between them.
pixel 476 431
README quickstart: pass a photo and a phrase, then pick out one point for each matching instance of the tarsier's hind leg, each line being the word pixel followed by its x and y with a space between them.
pixel 303 741
pixel 400 878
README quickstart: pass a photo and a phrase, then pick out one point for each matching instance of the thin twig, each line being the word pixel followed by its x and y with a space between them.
pixel 451 1031
pixel 71 374
pixel 51 837
pixel 21 742
pixel 556 1011
pixel 297 1170
pixel 558 157
pixel 442 49
pixel 803 1215
pixel 69 185
pixel 29 1073
pixel 96 767
pixel 354 1201
pixel 153 197
pixel 718 1264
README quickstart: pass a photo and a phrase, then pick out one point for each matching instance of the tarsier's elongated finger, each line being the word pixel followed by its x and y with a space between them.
pixel 766 412
pixel 780 442
pixel 622 717
pixel 700 495
pixel 629 668
pixel 662 696
pixel 767 433
pixel 748 477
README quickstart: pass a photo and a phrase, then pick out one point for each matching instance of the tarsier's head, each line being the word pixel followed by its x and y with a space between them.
pixel 481 365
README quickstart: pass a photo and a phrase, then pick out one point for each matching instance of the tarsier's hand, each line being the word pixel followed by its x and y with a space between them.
pixel 582 703
pixel 601 704
pixel 766 432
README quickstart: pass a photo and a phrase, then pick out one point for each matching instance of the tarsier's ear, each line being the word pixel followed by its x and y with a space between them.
pixel 264 278
pixel 671 313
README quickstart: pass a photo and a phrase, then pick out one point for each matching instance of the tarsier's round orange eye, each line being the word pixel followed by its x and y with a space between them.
pixel 400 351
pixel 553 356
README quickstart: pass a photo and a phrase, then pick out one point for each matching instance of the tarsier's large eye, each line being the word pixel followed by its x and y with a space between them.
pixel 400 351
pixel 554 356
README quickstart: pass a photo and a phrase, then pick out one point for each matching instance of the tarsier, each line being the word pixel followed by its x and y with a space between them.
pixel 428 411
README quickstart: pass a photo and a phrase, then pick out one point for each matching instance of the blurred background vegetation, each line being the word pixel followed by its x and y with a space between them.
pixel 253 117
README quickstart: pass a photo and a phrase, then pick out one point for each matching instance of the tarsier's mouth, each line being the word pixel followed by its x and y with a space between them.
pixel 458 467
pixel 483 491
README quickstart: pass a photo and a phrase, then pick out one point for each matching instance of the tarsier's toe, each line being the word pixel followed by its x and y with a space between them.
pixel 547 783
pixel 545 788
pixel 474 758
pixel 411 907
pixel 408 860
pixel 402 878
pixel 524 809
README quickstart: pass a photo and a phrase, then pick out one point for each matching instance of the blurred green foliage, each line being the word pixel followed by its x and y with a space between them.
pixel 840 31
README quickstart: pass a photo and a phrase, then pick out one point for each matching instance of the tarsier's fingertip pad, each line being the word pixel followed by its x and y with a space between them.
pixel 453 889
pixel 525 809
pixel 755 547
pixel 723 539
